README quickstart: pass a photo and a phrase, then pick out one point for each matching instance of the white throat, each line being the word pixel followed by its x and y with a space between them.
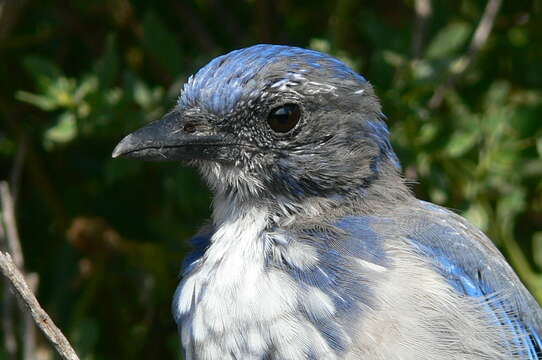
pixel 239 231
pixel 236 249
pixel 230 293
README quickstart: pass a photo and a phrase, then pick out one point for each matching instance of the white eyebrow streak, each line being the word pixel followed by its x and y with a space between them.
pixel 360 91
pixel 281 83
pixel 321 88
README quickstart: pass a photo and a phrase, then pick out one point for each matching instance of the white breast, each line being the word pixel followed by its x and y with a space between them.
pixel 233 306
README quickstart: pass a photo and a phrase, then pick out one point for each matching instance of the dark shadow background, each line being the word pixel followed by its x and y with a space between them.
pixel 106 237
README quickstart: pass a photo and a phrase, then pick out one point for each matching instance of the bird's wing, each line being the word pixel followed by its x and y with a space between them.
pixel 472 265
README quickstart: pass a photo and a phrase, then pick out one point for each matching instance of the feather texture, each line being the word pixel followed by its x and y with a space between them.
pixel 417 282
pixel 317 248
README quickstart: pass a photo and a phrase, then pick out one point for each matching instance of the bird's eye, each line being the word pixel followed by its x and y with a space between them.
pixel 284 118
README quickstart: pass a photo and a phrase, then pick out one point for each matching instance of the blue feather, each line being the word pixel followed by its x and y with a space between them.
pixel 221 84
pixel 526 338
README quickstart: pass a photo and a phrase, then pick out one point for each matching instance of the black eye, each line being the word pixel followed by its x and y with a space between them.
pixel 284 118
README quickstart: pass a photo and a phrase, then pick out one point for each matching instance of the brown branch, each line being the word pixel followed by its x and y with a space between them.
pixel 8 326
pixel 8 217
pixel 10 340
pixel 10 236
pixel 464 62
pixel 41 318
pixel 28 328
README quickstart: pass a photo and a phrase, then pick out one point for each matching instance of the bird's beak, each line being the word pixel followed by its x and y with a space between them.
pixel 169 139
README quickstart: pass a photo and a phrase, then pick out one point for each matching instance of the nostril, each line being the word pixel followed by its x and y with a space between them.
pixel 189 127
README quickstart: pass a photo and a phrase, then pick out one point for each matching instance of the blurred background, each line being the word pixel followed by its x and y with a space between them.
pixel 102 239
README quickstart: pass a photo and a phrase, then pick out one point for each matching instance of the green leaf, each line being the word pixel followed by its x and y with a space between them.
pixel 461 142
pixel 511 204
pixel 497 94
pixel 161 43
pixel 448 40
pixel 393 58
pixel 63 131
pixel 478 215
pixel 43 102
pixel 142 94
pixel 321 45
pixel 88 85
pixel 537 248
pixel 427 133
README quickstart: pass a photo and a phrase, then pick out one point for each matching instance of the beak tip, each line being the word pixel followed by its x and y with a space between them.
pixel 115 154
pixel 121 148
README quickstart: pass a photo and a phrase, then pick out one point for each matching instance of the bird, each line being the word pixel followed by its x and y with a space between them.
pixel 317 247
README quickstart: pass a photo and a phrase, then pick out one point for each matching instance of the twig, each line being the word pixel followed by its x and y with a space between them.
pixel 10 341
pixel 424 10
pixel 10 237
pixel 41 318
pixel 8 215
pixel 28 328
pixel 478 41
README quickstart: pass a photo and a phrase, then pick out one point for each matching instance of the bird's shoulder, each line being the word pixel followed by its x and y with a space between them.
pixel 465 257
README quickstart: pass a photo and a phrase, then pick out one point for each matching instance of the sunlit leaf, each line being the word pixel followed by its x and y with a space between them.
pixel 537 248
pixel 449 40
pixel 497 94
pixel 461 142
pixel 427 132
pixel 322 45
pixel 393 58
pixel 510 204
pixel 142 94
pixel 63 131
pixel 478 215
pixel 89 84
pixel 40 101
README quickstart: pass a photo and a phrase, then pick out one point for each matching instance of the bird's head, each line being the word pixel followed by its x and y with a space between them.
pixel 269 121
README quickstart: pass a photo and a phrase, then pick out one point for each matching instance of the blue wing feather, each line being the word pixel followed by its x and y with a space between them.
pixel 473 267
pixel 504 315
pixel 464 256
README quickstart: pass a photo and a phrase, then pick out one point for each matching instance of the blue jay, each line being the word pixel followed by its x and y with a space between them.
pixel 317 248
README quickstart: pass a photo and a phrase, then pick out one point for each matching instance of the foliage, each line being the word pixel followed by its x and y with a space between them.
pixel 106 237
